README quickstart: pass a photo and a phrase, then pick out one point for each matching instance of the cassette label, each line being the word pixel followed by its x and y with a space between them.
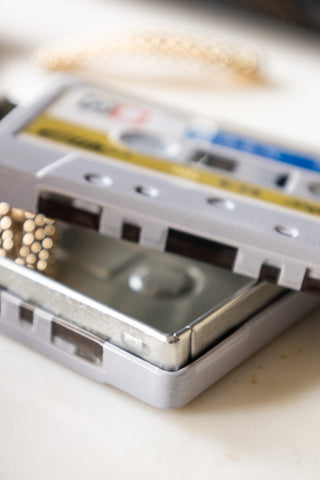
pixel 166 180
pixel 98 141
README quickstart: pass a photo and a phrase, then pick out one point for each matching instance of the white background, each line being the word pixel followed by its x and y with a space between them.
pixel 261 421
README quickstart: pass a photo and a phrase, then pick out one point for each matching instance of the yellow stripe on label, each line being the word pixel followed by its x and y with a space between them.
pixel 73 135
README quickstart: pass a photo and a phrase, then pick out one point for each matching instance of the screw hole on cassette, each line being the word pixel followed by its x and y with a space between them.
pixel 101 180
pixel 147 191
pixel 291 232
pixel 315 189
pixel 221 203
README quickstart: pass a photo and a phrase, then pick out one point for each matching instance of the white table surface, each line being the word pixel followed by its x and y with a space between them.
pixel 262 421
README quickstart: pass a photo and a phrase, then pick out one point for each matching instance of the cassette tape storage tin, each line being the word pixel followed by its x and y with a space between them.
pixel 123 179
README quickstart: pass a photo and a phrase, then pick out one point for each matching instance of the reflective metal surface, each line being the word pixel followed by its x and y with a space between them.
pixel 161 307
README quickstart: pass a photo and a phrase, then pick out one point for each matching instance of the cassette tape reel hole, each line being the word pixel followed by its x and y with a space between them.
pixel 150 143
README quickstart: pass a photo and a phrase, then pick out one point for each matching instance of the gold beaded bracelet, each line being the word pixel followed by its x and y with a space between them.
pixel 194 49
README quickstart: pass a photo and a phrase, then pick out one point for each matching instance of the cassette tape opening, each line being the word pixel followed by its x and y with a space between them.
pixel 70 210
pixel 201 249
pixel 310 284
pixel 26 314
pixel 76 343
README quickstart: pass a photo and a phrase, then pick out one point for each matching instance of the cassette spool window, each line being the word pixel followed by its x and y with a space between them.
pixel 215 160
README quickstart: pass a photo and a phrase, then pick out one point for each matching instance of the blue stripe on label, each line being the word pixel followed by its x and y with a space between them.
pixel 250 145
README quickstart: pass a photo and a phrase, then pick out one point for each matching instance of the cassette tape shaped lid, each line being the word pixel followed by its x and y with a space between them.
pixel 166 180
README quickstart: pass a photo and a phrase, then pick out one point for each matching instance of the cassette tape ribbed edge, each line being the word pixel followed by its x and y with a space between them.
pixel 168 180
